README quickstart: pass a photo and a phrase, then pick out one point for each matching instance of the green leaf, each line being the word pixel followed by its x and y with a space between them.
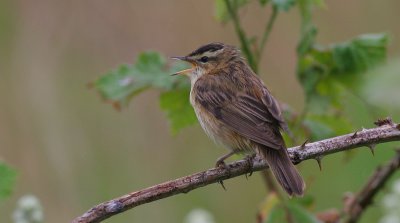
pixel 326 125
pixel 7 180
pixel 320 68
pixel 307 40
pixel 150 70
pixel 300 215
pixel 318 130
pixel 221 11
pixel 263 2
pixel 266 207
pixel 359 54
pixel 296 213
pixel 306 201
pixel 283 5
pixel 119 85
pixel 380 86
pixel 277 215
pixel 177 106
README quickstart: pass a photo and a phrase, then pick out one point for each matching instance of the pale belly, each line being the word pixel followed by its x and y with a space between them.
pixel 220 132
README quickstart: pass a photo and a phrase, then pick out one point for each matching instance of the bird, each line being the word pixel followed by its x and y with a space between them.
pixel 235 109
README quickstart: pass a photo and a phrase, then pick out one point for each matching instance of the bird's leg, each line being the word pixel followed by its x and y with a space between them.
pixel 221 163
pixel 249 158
pixel 221 160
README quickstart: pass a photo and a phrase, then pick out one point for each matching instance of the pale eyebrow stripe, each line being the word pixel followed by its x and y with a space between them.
pixel 209 54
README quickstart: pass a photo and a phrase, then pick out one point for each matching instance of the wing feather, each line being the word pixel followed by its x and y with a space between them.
pixel 256 118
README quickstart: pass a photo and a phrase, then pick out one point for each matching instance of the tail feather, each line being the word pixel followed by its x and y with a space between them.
pixel 284 171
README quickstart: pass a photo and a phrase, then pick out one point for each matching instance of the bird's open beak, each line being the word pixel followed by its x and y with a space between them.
pixel 186 71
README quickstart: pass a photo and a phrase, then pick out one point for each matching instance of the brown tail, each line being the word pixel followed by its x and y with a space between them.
pixel 284 170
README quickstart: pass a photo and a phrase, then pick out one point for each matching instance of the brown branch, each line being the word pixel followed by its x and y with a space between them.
pixel 359 203
pixel 365 137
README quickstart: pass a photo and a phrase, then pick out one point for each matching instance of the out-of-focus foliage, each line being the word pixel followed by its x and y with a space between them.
pixel 221 10
pixel 319 66
pixel 7 180
pixel 283 5
pixel 119 85
pixel 199 216
pixel 274 210
pixel 28 210
pixel 331 73
pixel 381 85
pixel 179 111
pixel 391 204
pixel 150 70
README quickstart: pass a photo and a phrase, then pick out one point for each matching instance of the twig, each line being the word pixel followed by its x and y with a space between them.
pixel 359 203
pixel 267 31
pixel 242 36
pixel 380 134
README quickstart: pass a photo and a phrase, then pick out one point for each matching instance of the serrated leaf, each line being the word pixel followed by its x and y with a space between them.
pixel 177 106
pixel 119 85
pixel 359 54
pixel 283 5
pixel 320 68
pixel 7 180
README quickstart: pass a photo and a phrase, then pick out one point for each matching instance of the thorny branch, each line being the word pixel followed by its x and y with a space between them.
pixel 385 132
pixel 357 204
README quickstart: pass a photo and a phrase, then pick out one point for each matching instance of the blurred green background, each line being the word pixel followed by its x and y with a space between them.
pixel 73 151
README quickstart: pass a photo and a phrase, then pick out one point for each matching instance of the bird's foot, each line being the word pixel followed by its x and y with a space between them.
pixel 222 164
pixel 249 159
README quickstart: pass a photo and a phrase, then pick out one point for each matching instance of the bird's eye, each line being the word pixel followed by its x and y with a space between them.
pixel 204 59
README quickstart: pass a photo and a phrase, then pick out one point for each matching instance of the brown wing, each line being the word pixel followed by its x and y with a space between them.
pixel 245 113
pixel 273 107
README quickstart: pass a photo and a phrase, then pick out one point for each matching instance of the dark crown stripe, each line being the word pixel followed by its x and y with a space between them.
pixel 212 47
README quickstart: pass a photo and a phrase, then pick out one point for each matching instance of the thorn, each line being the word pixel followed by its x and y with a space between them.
pixel 222 184
pixel 372 148
pixel 354 135
pixel 303 146
pixel 384 121
pixel 318 159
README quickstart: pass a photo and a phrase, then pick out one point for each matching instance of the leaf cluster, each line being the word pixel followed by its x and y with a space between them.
pixel 7 180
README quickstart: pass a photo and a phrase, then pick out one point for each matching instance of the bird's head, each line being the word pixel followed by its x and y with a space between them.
pixel 209 58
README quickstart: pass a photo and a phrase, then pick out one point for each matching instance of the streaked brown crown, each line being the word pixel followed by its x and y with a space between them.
pixel 214 55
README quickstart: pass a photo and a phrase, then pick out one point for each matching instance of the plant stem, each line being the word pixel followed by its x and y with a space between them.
pixel 267 32
pixel 360 202
pixel 242 36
